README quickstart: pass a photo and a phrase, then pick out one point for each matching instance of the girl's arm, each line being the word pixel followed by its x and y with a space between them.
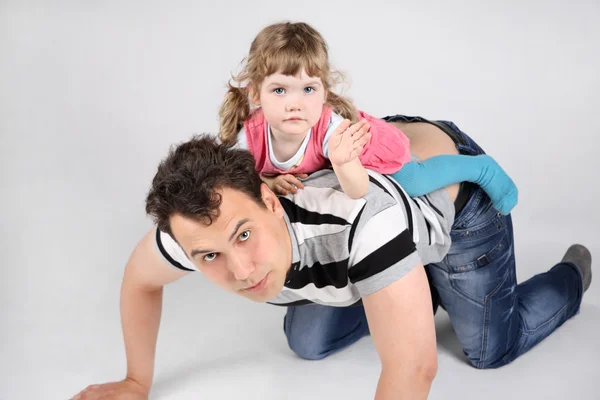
pixel 285 183
pixel 420 178
pixel 345 145
pixel 353 178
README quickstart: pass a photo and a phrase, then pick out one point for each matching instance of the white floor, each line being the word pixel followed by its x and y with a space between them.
pixel 231 348
pixel 93 93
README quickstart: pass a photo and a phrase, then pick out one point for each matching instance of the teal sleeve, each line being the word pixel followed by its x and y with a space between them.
pixel 420 178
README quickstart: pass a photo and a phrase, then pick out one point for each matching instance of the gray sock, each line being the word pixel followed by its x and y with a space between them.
pixel 582 258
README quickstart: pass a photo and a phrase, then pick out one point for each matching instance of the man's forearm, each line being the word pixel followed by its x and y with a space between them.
pixel 397 385
pixel 140 317
pixel 403 331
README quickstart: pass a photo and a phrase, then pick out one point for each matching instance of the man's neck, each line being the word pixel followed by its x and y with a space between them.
pixel 287 235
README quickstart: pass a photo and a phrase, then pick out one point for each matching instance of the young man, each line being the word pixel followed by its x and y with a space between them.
pixel 359 263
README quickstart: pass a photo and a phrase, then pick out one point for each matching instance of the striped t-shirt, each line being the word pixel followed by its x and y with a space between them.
pixel 344 249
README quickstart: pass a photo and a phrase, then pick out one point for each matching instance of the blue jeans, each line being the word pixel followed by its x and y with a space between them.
pixel 495 319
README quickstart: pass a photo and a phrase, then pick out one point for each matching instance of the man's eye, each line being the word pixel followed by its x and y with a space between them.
pixel 210 257
pixel 279 91
pixel 244 236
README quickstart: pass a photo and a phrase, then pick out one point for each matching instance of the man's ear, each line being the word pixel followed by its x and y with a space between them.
pixel 271 200
pixel 254 94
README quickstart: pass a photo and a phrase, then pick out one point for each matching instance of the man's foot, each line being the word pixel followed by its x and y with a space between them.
pixel 581 257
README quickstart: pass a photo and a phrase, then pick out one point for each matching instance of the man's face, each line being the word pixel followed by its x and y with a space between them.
pixel 246 250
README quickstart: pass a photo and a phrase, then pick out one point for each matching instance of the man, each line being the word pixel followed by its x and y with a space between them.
pixel 364 257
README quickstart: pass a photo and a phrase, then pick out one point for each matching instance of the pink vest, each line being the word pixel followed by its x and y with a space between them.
pixel 256 128
pixel 387 151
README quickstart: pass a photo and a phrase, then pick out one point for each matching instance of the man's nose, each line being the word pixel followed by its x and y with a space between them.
pixel 240 266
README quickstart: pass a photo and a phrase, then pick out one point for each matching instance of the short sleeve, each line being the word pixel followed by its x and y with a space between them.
pixel 382 252
pixel 389 148
pixel 171 252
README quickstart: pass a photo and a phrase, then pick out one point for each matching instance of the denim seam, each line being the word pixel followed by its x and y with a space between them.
pixel 486 308
pixel 506 358
pixel 484 336
pixel 556 315
pixel 529 332
pixel 493 250
pixel 515 298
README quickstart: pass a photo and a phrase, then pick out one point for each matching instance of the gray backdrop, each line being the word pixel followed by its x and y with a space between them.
pixel 93 93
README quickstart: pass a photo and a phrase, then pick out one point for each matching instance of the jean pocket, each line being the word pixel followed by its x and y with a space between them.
pixel 479 227
pixel 480 271
pixel 479 255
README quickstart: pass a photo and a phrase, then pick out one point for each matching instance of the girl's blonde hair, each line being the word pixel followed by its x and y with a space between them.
pixel 286 48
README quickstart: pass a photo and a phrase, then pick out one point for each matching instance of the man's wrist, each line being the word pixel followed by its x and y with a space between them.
pixel 143 385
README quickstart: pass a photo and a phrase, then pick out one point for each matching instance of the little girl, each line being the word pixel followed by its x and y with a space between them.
pixel 300 125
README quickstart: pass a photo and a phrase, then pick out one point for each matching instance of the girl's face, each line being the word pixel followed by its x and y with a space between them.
pixel 291 104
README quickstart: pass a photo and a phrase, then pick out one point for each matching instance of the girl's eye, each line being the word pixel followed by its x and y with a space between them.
pixel 244 236
pixel 279 91
pixel 309 89
pixel 210 257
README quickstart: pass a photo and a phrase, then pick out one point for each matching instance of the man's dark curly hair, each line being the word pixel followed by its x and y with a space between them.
pixel 189 178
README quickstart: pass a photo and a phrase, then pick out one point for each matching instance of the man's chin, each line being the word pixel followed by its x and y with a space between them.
pixel 259 297
pixel 269 293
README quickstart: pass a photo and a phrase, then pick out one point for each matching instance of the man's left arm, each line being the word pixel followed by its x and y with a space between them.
pixel 401 322
pixel 387 271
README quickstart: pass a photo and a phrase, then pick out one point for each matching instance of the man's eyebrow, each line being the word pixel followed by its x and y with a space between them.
pixel 241 222
pixel 237 227
pixel 199 251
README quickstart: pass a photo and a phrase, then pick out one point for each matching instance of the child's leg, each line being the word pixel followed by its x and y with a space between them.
pixel 419 178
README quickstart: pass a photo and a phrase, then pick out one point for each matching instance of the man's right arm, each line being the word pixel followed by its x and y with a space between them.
pixel 146 273
pixel 387 271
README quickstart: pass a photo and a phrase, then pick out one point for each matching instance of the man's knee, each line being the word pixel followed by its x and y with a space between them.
pixel 486 365
pixel 305 349
pixel 488 362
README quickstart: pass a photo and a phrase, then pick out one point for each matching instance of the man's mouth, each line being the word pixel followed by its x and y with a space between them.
pixel 259 286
